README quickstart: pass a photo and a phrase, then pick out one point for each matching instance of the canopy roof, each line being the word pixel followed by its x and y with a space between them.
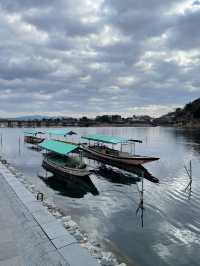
pixel 60 132
pixel 57 146
pixel 33 132
pixel 105 139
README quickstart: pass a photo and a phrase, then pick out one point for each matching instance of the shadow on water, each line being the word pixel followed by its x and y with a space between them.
pixel 73 187
pixel 140 171
pixel 188 137
pixel 132 175
pixel 116 176
pixel 34 148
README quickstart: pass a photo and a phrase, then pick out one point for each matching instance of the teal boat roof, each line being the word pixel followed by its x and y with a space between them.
pixel 57 146
pixel 105 139
pixel 60 132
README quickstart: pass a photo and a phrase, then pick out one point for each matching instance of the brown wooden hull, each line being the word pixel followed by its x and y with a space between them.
pixel 132 160
pixel 32 140
pixel 63 171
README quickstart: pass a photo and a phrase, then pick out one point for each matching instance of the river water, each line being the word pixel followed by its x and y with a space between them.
pixel 108 212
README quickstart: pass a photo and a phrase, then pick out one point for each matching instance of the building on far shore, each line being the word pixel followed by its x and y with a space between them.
pixel 104 120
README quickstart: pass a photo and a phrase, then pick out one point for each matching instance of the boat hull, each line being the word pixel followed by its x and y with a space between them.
pixel 32 140
pixel 133 160
pixel 63 171
pixel 139 170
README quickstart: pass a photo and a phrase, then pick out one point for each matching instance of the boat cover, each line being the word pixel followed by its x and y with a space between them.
pixel 57 146
pixel 105 139
pixel 60 132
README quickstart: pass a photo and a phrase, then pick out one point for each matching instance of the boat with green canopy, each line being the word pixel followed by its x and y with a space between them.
pixel 103 153
pixel 33 136
pixel 63 159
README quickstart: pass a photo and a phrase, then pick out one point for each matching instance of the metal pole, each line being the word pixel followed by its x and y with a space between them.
pixel 142 199
pixel 190 169
pixel 19 145
pixel 142 192
pixel 1 141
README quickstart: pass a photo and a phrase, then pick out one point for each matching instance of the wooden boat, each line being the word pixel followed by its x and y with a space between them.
pixel 103 152
pixel 138 170
pixel 31 137
pixel 59 162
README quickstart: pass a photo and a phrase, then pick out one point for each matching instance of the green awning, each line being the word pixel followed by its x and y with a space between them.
pixel 57 146
pixel 105 139
pixel 60 132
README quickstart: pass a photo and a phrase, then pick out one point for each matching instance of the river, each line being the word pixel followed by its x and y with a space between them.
pixel 169 232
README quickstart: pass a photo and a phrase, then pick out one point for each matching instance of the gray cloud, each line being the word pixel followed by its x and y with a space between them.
pixel 185 32
pixel 88 57
pixel 20 5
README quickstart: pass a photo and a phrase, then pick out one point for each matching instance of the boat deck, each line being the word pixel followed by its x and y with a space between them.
pixel 108 151
pixel 64 161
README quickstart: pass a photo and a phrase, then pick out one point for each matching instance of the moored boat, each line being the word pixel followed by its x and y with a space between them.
pixel 58 160
pixel 33 137
pixel 103 152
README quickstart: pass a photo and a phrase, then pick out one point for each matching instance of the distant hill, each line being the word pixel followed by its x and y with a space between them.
pixel 189 116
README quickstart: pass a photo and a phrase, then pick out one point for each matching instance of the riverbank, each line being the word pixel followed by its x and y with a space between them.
pixel 29 234
pixel 64 238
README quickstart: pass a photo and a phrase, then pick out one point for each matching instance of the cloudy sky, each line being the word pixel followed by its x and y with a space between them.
pixel 86 57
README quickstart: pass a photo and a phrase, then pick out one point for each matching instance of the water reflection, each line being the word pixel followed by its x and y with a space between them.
pixel 133 173
pixel 34 148
pixel 171 226
pixel 188 137
pixel 73 187
pixel 140 210
pixel 116 176
pixel 188 188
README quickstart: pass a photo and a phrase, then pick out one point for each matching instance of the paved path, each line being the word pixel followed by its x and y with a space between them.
pixel 29 235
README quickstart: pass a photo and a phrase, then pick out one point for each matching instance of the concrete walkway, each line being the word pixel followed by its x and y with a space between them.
pixel 29 235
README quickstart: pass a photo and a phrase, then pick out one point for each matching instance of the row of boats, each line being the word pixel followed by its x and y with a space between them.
pixel 65 158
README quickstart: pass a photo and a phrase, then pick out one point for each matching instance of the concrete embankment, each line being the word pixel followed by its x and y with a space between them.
pixel 29 234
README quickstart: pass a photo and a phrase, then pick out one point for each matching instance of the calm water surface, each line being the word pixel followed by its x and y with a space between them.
pixel 170 235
